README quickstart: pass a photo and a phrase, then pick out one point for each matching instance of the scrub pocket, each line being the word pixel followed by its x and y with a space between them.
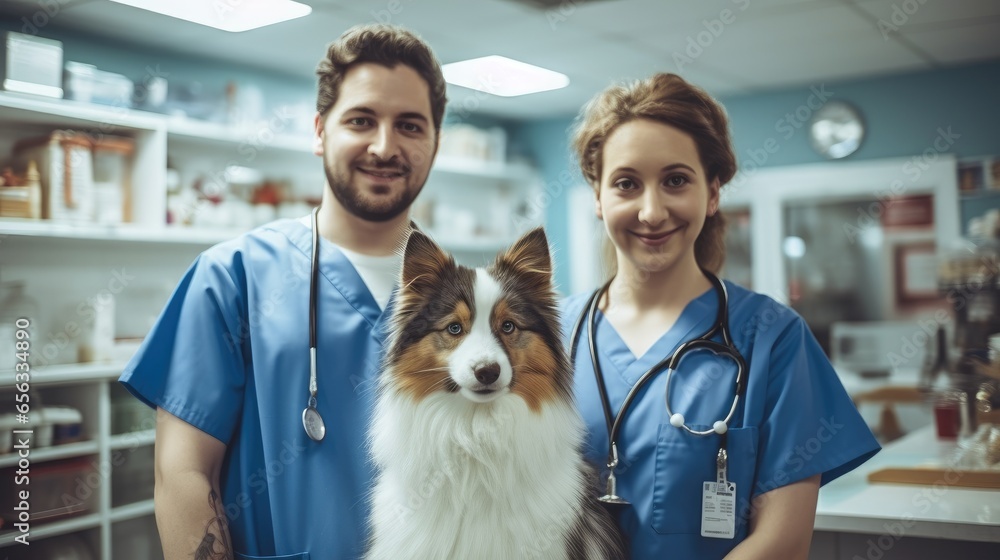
pixel 684 462
pixel 299 556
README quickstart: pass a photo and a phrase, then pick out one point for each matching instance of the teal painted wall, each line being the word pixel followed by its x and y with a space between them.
pixel 904 114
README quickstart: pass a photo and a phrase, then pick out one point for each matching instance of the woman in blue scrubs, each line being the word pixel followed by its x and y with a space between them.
pixel 228 362
pixel 657 153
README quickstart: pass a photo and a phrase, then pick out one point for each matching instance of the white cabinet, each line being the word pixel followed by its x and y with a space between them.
pixel 866 185
pixel 475 206
pixel 64 266
pixel 107 473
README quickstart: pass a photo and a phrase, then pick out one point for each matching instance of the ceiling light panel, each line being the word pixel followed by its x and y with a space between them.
pixel 227 15
pixel 502 76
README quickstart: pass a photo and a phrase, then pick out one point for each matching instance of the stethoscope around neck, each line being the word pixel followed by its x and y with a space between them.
pixel 725 349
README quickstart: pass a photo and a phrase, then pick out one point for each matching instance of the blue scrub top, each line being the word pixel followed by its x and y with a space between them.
pixel 796 420
pixel 230 356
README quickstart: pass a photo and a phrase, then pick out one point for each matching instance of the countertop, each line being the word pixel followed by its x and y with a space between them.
pixel 851 504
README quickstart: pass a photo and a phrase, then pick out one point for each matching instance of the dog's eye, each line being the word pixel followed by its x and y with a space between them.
pixel 507 327
pixel 455 329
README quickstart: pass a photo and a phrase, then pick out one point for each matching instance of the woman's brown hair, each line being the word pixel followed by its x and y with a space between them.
pixel 669 99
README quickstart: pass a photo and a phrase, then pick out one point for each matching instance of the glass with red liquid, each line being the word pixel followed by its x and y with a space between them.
pixel 950 413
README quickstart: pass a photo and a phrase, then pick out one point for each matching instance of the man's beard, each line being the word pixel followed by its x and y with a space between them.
pixel 352 200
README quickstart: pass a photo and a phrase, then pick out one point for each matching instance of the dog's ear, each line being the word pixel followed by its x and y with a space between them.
pixel 529 257
pixel 423 261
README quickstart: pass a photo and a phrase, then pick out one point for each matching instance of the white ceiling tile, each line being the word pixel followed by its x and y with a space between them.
pixel 906 14
pixel 620 16
pixel 535 42
pixel 750 30
pixel 601 59
pixel 957 45
pixel 797 46
pixel 770 44
pixel 421 15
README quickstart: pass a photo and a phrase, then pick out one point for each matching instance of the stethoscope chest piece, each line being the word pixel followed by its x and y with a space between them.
pixel 313 422
pixel 612 497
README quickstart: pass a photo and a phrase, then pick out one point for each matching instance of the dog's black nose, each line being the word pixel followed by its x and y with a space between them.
pixel 488 373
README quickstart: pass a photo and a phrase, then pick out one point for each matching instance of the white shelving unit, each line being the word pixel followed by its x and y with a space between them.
pixel 117 233
pixel 89 388
pixel 66 265
pixel 204 149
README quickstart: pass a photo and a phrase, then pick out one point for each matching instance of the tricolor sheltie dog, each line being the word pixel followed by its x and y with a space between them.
pixel 475 434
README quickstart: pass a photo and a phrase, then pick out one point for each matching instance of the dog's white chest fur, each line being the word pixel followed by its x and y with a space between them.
pixel 460 480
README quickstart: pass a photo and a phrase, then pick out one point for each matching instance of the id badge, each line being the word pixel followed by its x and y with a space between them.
pixel 718 504
pixel 718 510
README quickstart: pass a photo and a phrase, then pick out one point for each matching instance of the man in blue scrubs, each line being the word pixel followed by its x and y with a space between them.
pixel 227 363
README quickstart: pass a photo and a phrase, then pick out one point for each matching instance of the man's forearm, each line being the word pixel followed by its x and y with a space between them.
pixel 191 519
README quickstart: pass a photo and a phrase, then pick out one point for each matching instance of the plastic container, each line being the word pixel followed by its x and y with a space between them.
pixel 14 305
pixel 31 64
pixel 84 82
pixel 58 489
pixel 97 338
pixel 66 422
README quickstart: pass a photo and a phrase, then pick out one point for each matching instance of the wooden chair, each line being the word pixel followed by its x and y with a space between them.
pixel 888 428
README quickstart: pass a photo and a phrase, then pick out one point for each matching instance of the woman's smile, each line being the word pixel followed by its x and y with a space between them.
pixel 656 239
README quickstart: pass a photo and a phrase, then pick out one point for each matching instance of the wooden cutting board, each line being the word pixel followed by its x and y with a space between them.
pixel 931 476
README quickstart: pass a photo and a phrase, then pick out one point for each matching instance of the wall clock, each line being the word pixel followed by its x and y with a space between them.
pixel 836 130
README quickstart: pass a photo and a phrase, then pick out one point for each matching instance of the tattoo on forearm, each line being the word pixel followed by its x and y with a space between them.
pixel 215 545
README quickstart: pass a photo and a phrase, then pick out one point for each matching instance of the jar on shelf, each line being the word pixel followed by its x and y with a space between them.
pixel 23 200
pixel 66 174
pixel 112 189
pixel 972 265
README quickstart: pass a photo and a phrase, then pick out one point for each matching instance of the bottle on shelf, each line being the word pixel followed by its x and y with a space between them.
pixel 936 362
pixel 14 306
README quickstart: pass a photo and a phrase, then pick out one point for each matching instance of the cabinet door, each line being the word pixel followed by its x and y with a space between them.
pixel 840 259
pixel 738 267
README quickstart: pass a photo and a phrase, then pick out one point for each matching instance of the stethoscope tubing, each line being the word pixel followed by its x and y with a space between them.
pixel 726 348
pixel 312 420
pixel 313 281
